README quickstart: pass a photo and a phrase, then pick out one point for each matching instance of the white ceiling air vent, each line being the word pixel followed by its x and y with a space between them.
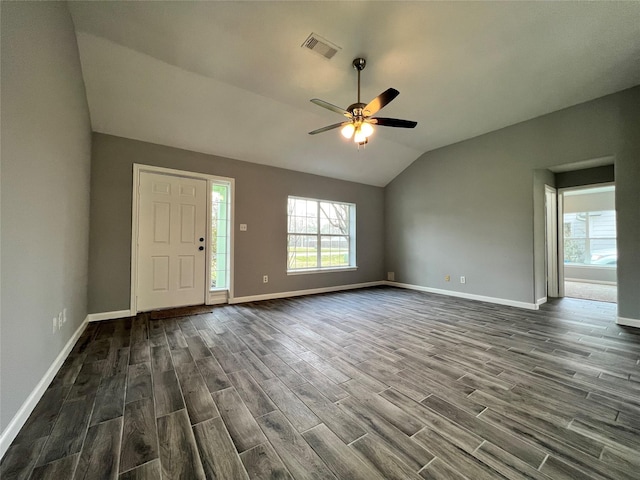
pixel 321 46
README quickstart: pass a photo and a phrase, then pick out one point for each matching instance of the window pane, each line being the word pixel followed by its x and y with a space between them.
pixel 303 216
pixel 334 252
pixel 219 245
pixel 334 218
pixel 302 252
pixel 575 250
pixel 590 238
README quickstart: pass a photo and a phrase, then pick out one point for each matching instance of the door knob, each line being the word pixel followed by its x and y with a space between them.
pixel 200 248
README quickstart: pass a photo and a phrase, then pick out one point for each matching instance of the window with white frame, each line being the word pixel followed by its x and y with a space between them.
pixel 220 231
pixel 321 235
pixel 589 219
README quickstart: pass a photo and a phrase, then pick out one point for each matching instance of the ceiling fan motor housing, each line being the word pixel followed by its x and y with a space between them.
pixel 359 64
pixel 357 110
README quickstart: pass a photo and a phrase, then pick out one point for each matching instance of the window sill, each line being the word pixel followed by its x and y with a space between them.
pixel 321 270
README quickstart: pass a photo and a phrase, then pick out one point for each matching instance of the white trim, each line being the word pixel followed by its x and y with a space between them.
pixel 321 270
pixel 628 322
pixel 542 300
pixel 98 317
pixel 560 232
pixel 551 240
pixel 298 293
pixel 469 296
pixel 232 241
pixel 137 168
pixel 19 419
pixel 217 297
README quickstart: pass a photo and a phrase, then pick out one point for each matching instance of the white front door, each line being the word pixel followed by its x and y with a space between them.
pixel 172 224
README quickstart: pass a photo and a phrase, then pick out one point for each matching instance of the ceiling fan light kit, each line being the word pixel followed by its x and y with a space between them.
pixel 348 130
pixel 359 125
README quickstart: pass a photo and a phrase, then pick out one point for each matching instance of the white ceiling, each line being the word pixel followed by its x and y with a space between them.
pixel 231 78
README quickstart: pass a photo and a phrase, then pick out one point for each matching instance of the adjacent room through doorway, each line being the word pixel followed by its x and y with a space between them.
pixel 589 243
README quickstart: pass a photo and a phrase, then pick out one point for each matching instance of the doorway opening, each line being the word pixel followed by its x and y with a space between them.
pixel 588 234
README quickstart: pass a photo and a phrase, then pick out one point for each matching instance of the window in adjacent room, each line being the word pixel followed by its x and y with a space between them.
pixel 589 227
pixel 321 235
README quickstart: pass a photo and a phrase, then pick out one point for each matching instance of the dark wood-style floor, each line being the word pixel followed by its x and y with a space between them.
pixel 369 384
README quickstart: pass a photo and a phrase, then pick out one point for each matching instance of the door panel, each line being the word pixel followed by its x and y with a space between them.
pixel 188 224
pixel 161 222
pixel 186 272
pixel 160 266
pixel 171 222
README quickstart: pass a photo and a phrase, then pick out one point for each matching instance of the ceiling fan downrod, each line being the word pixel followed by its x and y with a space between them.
pixel 359 64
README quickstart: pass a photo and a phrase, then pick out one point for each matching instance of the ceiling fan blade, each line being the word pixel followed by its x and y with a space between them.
pixel 328 127
pixel 329 106
pixel 392 122
pixel 380 101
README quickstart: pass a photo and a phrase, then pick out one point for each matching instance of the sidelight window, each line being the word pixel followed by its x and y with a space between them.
pixel 220 229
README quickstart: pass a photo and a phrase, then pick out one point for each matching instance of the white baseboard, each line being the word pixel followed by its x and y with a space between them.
pixel 628 322
pixel 20 418
pixel 298 293
pixel 97 317
pixel 469 296
pixel 542 300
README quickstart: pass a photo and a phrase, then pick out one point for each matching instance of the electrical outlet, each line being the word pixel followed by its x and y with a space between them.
pixel 391 276
pixel 265 279
pixel 447 278
pixel 463 279
pixel 55 324
pixel 64 315
pixel 243 227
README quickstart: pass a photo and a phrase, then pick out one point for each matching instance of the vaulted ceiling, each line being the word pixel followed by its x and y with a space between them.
pixel 231 78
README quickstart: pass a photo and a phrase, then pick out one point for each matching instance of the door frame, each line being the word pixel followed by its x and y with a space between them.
pixel 560 200
pixel 210 297
pixel 552 278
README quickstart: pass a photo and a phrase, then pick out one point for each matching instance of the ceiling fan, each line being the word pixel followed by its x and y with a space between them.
pixel 359 125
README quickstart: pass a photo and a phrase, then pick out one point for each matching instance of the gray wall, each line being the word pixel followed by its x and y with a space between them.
pixel 589 202
pixel 468 209
pixel 628 204
pixel 261 203
pixel 586 176
pixel 594 274
pixel 46 146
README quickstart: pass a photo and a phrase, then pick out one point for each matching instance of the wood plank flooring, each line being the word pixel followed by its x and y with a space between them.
pixel 379 383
